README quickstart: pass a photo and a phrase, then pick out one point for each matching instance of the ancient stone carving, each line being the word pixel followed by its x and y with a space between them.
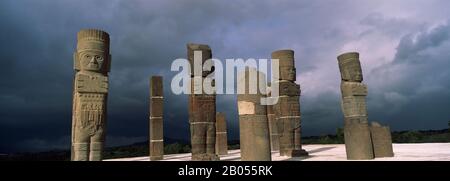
pixel 221 134
pixel 156 144
pixel 358 143
pixel 287 110
pixel 253 123
pixel 202 110
pixel 92 63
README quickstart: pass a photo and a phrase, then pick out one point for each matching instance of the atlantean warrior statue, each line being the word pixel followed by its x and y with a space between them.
pixel 287 110
pixel 202 107
pixel 92 63
pixel 358 143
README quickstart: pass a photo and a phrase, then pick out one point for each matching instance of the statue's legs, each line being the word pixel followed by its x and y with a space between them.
pixel 81 147
pixel 198 140
pixel 211 138
pixel 286 137
pixel 298 144
pixel 211 142
pixel 96 147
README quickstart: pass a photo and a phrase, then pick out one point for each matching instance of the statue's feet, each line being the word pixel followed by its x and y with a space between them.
pixel 294 153
pixel 205 157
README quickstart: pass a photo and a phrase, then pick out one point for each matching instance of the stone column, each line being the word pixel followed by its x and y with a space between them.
pixel 253 123
pixel 381 140
pixel 156 145
pixel 202 108
pixel 221 134
pixel 91 63
pixel 287 110
pixel 358 144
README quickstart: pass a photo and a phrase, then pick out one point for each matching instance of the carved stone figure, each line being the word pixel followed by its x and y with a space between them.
pixel 358 143
pixel 287 110
pixel 202 109
pixel 92 63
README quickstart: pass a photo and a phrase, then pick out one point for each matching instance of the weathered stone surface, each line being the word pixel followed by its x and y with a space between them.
pixel 353 106
pixel 221 134
pixel 156 145
pixel 156 86
pixel 273 129
pixel 287 64
pixel 253 123
pixel 202 119
pixel 254 138
pixel 156 108
pixel 381 140
pixel 353 89
pixel 358 143
pixel 288 88
pixel 202 108
pixel 287 110
pixel 287 107
pixel 206 54
pixel 350 67
pixel 298 138
pixel 91 63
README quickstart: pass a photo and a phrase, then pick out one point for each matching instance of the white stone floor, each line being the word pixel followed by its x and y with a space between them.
pixel 335 152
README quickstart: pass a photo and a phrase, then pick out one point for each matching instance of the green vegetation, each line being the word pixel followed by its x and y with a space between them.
pixel 142 149
pixel 430 136
pixel 233 144
pixel 135 150
pixel 177 148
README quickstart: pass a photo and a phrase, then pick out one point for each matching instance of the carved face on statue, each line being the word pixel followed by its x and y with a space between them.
pixel 286 63
pixel 92 60
pixel 350 67
pixel 288 73
pixel 92 51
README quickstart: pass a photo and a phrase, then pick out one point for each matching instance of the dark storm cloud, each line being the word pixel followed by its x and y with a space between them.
pixel 37 40
pixel 412 89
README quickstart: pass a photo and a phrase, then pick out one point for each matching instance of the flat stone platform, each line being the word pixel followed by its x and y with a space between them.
pixel 334 152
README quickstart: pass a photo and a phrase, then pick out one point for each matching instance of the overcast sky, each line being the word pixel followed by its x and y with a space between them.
pixel 404 49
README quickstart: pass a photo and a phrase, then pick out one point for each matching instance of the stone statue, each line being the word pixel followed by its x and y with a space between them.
pixel 92 63
pixel 287 110
pixel 358 143
pixel 202 109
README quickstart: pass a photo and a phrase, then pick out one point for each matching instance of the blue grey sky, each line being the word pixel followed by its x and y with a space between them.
pixel 404 49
